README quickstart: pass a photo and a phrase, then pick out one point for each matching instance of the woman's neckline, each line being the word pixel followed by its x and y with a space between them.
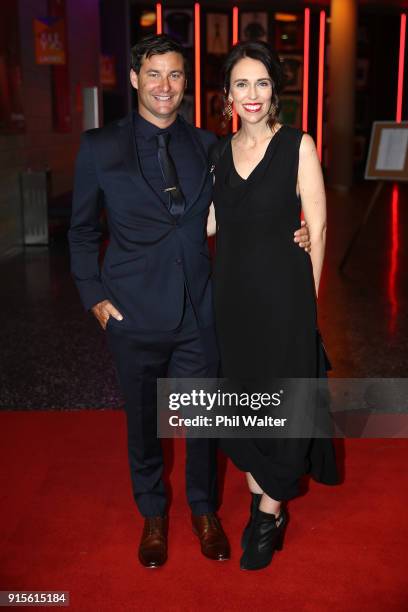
pixel 260 161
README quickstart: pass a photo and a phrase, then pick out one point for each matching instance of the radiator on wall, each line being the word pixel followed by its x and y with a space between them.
pixel 34 197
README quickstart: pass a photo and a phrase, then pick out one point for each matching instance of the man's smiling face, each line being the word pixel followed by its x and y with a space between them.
pixel 160 86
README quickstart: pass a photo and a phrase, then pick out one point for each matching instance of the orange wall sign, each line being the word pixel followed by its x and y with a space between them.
pixel 49 36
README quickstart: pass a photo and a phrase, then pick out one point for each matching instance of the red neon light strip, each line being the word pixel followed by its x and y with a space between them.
pixel 392 293
pixel 197 64
pixel 235 25
pixel 319 134
pixel 306 43
pixel 159 19
pixel 234 42
pixel 400 88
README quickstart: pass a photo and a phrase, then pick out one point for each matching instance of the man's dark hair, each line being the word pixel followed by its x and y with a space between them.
pixel 154 44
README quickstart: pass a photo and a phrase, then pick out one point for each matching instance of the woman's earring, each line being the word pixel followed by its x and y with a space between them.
pixel 228 109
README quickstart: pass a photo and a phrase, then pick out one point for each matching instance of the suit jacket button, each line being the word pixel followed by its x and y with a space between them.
pixel 178 261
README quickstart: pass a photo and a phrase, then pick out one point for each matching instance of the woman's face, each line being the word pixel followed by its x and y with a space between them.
pixel 251 90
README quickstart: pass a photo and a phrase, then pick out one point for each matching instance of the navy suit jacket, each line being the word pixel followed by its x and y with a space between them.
pixel 151 255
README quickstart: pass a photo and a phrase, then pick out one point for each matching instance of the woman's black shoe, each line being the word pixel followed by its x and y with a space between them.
pixel 265 536
pixel 255 501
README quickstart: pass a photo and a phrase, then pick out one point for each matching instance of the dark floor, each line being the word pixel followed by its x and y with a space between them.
pixel 53 355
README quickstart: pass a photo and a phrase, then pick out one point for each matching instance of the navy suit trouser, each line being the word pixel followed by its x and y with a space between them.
pixel 141 358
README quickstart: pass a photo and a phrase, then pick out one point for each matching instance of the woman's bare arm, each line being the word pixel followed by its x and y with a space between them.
pixel 313 198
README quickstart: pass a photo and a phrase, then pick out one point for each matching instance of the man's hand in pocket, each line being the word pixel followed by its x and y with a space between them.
pixel 103 310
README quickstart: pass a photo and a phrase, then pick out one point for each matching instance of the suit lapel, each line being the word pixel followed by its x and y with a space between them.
pixel 193 134
pixel 130 158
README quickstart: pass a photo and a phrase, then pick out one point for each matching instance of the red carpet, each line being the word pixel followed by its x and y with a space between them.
pixel 68 522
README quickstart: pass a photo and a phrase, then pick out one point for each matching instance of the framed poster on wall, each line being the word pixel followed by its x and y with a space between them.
pixel 49 41
pixel 254 26
pixel 217 34
pixel 215 120
pixel 292 66
pixel 291 111
pixel 289 36
pixel 178 23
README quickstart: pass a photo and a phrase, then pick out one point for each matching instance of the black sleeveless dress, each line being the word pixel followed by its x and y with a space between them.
pixel 265 305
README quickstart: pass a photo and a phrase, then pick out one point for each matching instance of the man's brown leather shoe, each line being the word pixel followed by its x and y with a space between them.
pixel 153 544
pixel 214 542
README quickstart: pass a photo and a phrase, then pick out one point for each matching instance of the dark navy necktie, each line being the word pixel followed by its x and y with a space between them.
pixel 176 202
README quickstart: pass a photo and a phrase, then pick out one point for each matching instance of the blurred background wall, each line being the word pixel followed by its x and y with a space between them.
pixel 53 51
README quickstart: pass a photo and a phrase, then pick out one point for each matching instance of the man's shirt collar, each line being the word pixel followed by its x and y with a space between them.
pixel 149 131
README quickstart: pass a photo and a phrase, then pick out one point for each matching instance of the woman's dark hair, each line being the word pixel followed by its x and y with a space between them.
pixel 154 44
pixel 262 52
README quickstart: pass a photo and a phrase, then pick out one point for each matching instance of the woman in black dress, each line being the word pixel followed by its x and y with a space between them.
pixel 265 286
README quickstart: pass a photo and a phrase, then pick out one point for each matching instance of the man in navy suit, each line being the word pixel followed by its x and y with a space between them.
pixel 153 293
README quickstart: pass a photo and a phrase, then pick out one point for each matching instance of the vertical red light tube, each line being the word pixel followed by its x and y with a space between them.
pixel 306 45
pixel 159 18
pixel 235 14
pixel 235 25
pixel 197 64
pixel 400 89
pixel 392 276
pixel 319 134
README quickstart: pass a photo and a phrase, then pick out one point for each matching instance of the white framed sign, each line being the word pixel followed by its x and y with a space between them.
pixel 387 156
